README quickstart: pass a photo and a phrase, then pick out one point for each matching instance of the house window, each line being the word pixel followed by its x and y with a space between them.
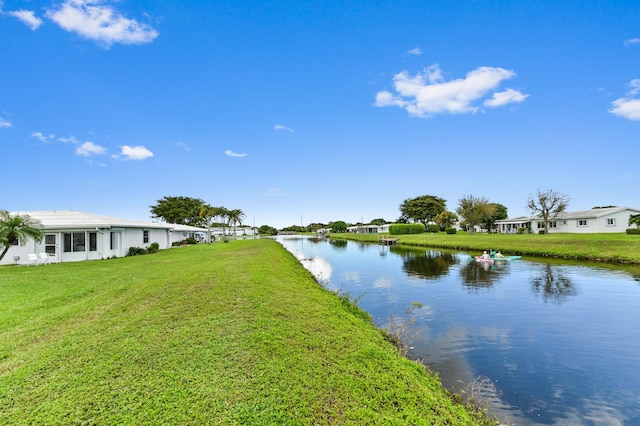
pixel 582 222
pixel 93 241
pixel 74 242
pixel 113 237
pixel 611 221
pixel 13 241
pixel 145 237
pixel 552 224
pixel 50 244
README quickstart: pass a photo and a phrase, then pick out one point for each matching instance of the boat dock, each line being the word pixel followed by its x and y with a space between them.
pixel 388 241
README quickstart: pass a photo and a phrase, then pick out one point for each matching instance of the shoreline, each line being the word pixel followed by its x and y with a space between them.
pixel 620 249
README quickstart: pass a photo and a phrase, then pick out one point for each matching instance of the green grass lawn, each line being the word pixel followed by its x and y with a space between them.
pixel 226 334
pixel 621 248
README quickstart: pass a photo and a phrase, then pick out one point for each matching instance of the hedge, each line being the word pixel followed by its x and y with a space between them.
pixel 406 228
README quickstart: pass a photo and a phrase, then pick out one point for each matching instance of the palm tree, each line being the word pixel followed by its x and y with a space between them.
pixel 634 219
pixel 16 228
pixel 235 216
pixel 207 213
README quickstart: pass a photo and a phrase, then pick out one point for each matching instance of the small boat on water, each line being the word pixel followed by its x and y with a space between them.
pixel 492 259
pixel 498 258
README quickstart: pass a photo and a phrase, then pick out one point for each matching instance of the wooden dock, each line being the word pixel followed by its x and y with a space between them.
pixel 388 241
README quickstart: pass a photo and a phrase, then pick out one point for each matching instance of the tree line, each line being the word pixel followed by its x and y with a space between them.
pixel 195 212
pixel 473 211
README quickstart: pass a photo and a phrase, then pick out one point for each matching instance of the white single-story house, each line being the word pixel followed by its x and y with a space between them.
pixel 182 232
pixel 598 220
pixel 71 236
pixel 369 229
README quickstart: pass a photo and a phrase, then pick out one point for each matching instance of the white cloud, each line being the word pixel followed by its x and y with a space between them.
pixel 230 153
pixel 4 123
pixel 509 96
pixel 42 137
pixel 135 152
pixel 416 51
pixel 183 146
pixel 428 93
pixel 275 192
pixel 88 149
pixel 28 18
pixel 628 107
pixel 95 21
pixel 281 128
pixel 70 139
pixel 634 87
pixel 632 41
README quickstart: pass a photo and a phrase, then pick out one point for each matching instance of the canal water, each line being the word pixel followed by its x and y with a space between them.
pixel 543 343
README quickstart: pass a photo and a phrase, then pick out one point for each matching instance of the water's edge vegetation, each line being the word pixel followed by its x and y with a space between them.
pixel 613 248
pixel 236 333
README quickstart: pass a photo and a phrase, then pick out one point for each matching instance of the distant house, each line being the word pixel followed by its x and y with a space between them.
pixel 369 229
pixel 71 236
pixel 180 233
pixel 602 220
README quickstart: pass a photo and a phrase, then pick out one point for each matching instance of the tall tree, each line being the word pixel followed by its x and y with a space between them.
pixel 499 213
pixel 235 217
pixel 178 210
pixel 16 228
pixel 422 209
pixel 213 216
pixel 547 205
pixel 337 227
pixel 474 210
pixel 207 214
pixel 446 220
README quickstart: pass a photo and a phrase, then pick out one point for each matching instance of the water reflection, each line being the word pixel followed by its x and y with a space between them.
pixel 553 284
pixel 479 275
pixel 338 244
pixel 429 264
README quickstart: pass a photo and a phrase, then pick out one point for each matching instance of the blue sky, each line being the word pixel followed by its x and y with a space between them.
pixel 300 112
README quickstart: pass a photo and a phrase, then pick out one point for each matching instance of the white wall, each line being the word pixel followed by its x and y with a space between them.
pixel 125 237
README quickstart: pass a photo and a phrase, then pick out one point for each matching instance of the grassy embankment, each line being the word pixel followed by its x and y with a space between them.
pixel 227 334
pixel 619 248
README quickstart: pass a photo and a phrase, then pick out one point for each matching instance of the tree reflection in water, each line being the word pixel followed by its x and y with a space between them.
pixel 429 264
pixel 338 244
pixel 552 284
pixel 478 275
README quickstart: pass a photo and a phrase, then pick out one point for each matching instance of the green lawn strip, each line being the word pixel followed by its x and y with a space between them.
pixel 234 333
pixel 619 248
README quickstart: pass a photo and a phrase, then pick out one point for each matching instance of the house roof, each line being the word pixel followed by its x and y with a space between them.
pixel 65 219
pixel 584 214
pixel 187 228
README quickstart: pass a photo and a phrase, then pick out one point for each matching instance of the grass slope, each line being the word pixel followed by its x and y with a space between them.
pixel 229 334
pixel 619 248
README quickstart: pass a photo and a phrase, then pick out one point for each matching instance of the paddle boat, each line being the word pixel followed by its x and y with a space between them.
pixel 494 257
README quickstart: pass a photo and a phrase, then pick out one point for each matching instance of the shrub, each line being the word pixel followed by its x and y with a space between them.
pixel 406 228
pixel 433 228
pixel 633 231
pixel 191 241
pixel 153 247
pixel 451 230
pixel 136 251
pixel 522 230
